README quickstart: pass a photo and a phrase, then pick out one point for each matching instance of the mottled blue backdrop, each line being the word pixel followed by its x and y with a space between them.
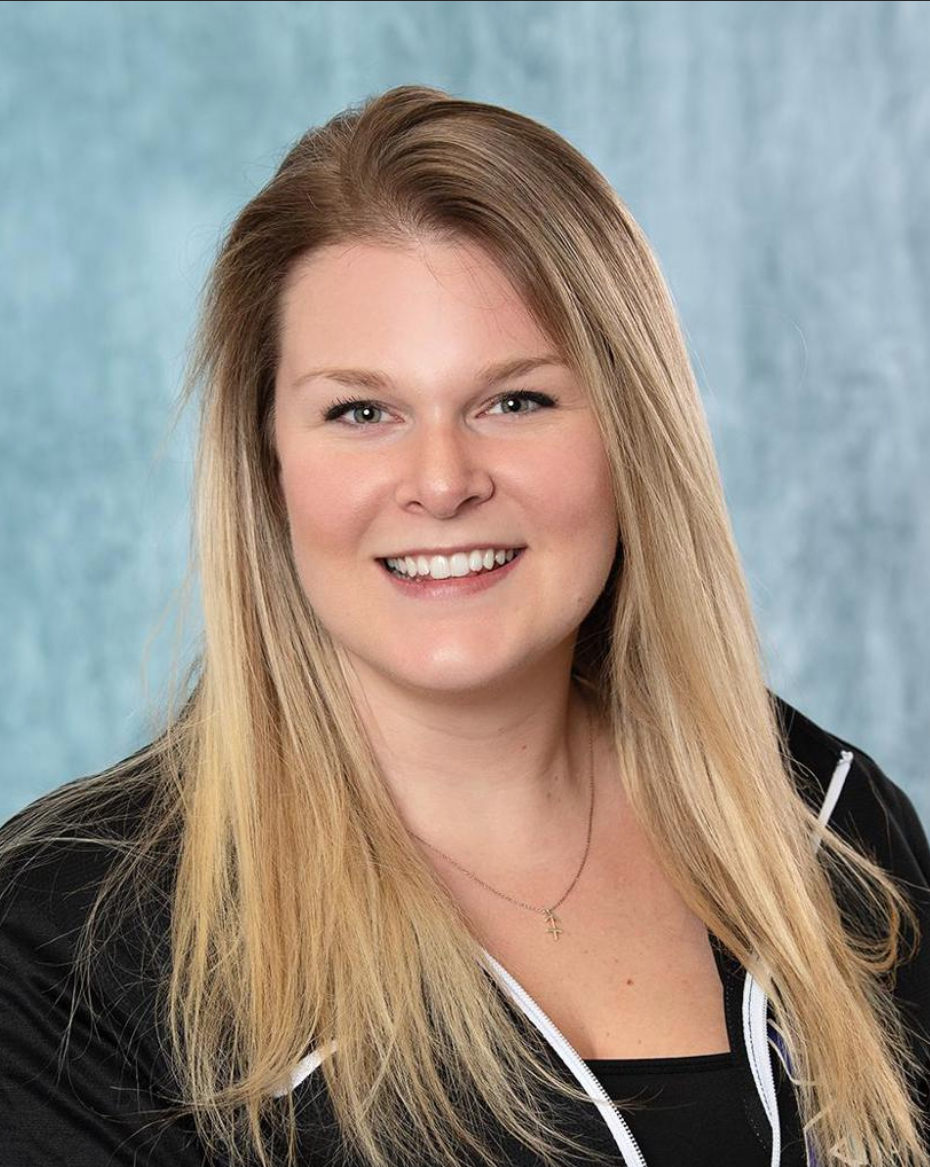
pixel 777 154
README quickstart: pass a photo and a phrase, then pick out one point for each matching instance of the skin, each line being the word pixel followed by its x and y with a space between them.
pixel 469 702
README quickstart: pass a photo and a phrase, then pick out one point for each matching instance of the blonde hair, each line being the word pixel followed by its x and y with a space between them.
pixel 301 912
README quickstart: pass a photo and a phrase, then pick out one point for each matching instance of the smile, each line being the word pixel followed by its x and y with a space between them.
pixel 467 582
pixel 461 564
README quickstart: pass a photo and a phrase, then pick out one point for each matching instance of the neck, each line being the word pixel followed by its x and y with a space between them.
pixel 502 785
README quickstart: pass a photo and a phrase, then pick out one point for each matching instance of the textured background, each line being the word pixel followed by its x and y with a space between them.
pixel 775 153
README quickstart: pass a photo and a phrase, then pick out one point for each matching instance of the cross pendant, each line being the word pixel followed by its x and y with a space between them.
pixel 552 923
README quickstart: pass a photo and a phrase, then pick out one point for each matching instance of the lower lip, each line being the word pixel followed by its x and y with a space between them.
pixel 454 587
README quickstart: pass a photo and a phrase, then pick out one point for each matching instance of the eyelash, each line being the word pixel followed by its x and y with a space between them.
pixel 338 408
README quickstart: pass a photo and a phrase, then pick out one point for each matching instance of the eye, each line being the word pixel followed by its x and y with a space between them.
pixel 541 399
pixel 339 408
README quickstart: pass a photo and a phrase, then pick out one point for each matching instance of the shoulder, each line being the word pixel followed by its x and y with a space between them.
pixel 871 810
pixel 876 816
pixel 60 859
pixel 56 853
pixel 83 1079
pixel 63 869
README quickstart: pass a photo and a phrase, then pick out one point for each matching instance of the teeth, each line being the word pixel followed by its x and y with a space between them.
pixel 443 566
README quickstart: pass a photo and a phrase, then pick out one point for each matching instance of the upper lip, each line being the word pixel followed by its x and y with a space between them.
pixel 455 550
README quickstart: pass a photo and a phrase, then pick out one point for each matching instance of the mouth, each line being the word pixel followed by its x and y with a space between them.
pixel 456 587
pixel 429 579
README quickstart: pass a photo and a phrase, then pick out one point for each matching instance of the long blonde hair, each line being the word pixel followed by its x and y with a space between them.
pixel 301 912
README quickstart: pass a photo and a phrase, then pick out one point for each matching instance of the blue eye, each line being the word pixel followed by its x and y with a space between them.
pixel 541 399
pixel 339 408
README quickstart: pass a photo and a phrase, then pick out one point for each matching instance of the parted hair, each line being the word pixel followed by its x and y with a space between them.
pixel 301 912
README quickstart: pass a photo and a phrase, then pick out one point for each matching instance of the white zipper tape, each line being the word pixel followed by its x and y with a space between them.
pixel 756 1003
pixel 623 1136
pixel 755 1035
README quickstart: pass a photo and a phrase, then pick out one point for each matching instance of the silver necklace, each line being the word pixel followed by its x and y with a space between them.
pixel 552 920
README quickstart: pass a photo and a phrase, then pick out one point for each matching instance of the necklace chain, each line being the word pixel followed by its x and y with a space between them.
pixel 552 920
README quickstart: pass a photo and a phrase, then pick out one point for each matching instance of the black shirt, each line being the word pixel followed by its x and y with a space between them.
pixel 703 1110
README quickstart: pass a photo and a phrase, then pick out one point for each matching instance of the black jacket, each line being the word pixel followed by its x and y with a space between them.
pixel 101 1106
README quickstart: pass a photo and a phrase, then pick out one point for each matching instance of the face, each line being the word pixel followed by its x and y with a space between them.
pixel 434 455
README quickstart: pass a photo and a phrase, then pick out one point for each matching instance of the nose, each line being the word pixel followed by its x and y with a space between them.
pixel 442 468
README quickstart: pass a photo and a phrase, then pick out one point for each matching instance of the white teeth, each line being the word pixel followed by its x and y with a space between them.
pixel 443 567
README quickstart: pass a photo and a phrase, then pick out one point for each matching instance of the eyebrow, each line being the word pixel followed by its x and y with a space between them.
pixel 376 380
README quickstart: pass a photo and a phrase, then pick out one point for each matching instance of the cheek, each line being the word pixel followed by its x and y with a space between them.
pixel 572 487
pixel 323 509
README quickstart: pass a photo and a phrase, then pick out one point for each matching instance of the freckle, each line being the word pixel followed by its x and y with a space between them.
pixel 629 980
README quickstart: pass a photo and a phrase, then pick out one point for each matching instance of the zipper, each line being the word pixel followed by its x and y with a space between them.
pixel 778 1041
pixel 756 1004
pixel 755 1037
pixel 619 1128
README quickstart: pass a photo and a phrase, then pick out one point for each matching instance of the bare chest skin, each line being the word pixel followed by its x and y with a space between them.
pixel 632 974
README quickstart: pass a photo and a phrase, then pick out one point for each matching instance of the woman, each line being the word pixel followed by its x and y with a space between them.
pixel 479 837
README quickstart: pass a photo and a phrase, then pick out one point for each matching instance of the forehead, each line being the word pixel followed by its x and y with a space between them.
pixel 371 302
